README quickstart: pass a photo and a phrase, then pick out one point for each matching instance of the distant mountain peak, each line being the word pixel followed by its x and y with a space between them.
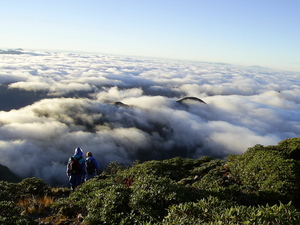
pixel 17 51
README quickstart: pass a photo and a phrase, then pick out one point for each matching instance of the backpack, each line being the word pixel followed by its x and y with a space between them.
pixel 74 166
pixel 90 166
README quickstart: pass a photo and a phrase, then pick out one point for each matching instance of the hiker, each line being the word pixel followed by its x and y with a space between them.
pixel 76 169
pixel 91 165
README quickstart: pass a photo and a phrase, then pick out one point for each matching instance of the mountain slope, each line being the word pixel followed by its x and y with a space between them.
pixel 7 175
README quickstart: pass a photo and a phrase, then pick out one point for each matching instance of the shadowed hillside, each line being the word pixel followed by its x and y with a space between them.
pixel 7 175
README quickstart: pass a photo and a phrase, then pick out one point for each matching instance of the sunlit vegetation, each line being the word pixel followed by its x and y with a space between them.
pixel 36 205
pixel 261 186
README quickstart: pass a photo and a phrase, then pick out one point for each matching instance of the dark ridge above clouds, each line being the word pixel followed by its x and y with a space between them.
pixel 181 101
pixel 121 104
pixel 124 109
pixel 190 98
pixel 17 51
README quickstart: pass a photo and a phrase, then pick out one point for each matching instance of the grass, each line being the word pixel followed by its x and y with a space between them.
pixel 36 205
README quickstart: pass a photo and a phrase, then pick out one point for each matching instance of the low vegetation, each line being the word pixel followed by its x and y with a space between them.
pixel 261 186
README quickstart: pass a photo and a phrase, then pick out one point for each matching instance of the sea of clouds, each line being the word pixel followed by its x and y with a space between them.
pixel 125 109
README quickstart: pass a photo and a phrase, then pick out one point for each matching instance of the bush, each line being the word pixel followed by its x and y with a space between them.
pixel 276 214
pixel 9 191
pixel 110 205
pixel 173 191
pixel 215 211
pixel 290 148
pixel 78 200
pixel 210 175
pixel 153 167
pixel 199 212
pixel 145 201
pixel 113 168
pixel 151 196
pixel 34 186
pixel 271 176
pixel 10 214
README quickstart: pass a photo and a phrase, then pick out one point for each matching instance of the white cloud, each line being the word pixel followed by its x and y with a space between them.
pixel 114 94
pixel 244 106
pixel 6 77
pixel 31 86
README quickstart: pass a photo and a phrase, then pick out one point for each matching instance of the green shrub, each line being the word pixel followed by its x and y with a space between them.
pixel 215 211
pixel 78 200
pixel 34 186
pixel 210 175
pixel 9 191
pixel 151 196
pixel 200 212
pixel 10 214
pixel 182 167
pixel 109 205
pixel 271 176
pixel 113 168
pixel 153 167
pixel 178 169
pixel 276 214
pixel 175 191
pixel 290 148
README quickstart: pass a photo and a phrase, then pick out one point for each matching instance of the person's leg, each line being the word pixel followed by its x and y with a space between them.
pixel 72 181
pixel 90 176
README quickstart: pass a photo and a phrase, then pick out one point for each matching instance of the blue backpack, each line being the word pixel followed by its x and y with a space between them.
pixel 90 166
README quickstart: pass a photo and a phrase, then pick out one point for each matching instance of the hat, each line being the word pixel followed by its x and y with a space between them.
pixel 78 151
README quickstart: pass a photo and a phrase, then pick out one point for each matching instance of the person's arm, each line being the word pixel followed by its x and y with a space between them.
pixel 97 166
pixel 68 170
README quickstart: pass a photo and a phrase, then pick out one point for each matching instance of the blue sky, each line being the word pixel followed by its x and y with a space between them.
pixel 265 33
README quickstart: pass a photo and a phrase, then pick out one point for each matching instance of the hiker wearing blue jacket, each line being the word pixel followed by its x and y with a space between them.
pixel 76 169
pixel 91 165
